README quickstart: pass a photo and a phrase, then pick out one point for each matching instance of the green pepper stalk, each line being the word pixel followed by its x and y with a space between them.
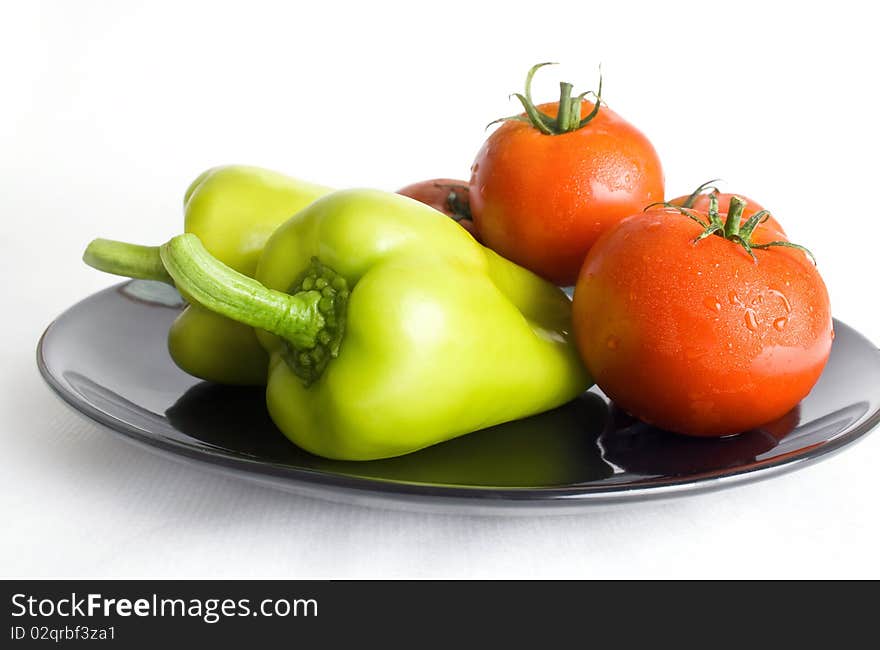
pixel 233 210
pixel 129 260
pixel 310 319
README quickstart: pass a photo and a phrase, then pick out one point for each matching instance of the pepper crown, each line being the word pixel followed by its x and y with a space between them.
pixel 309 363
pixel 568 116
pixel 309 319
pixel 732 228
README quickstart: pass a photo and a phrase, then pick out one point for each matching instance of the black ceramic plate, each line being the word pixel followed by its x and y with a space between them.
pixel 106 358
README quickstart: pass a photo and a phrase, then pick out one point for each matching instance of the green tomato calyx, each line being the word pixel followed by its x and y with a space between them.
pixel 732 228
pixel 568 117
pixel 457 200
pixel 706 188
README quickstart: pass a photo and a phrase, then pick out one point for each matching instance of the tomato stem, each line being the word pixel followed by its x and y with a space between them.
pixel 568 114
pixel 731 228
pixel 457 200
pixel 563 116
pixel 734 216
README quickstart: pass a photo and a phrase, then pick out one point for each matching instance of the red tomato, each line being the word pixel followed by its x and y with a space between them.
pixel 447 195
pixel 542 200
pixel 701 199
pixel 697 337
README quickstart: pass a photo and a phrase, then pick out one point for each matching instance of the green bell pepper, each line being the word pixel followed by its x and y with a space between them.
pixel 233 210
pixel 388 327
pixel 555 448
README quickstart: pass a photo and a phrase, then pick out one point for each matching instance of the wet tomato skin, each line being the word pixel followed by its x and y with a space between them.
pixel 447 195
pixel 542 200
pixel 701 204
pixel 697 338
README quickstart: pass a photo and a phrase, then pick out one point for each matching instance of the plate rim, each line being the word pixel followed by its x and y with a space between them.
pixel 383 490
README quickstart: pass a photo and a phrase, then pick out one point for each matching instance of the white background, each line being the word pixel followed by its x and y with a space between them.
pixel 109 109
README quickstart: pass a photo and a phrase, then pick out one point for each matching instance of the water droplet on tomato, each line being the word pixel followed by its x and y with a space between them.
pixel 712 304
pixel 734 299
pixel 832 335
pixel 782 297
pixel 780 323
pixel 751 320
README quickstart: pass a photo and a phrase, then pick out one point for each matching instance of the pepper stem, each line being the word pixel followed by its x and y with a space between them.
pixel 310 320
pixel 129 260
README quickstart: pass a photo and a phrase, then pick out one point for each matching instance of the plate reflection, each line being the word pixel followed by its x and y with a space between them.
pixel 582 442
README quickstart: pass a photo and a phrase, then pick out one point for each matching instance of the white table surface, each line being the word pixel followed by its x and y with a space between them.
pixel 109 109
